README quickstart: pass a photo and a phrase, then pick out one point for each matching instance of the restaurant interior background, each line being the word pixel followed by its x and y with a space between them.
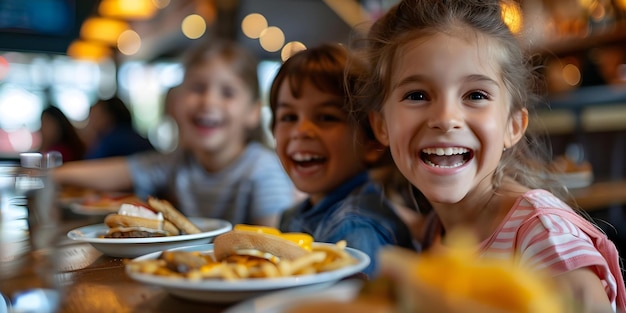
pixel 69 53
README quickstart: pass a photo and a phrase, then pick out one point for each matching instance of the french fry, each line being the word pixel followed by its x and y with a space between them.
pixel 194 275
pixel 341 244
pixel 241 270
pixel 288 268
pixel 335 251
pixel 229 273
pixel 269 270
pixel 213 271
pixel 337 264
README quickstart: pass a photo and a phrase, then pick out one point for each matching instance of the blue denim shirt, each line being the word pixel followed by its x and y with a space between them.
pixel 358 212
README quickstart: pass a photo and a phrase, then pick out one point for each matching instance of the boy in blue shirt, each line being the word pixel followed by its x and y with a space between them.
pixel 327 155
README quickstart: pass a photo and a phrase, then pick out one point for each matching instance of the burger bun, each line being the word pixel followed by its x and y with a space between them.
pixel 233 241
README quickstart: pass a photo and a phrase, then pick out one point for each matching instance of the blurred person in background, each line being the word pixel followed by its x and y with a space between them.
pixel 58 134
pixel 221 169
pixel 110 131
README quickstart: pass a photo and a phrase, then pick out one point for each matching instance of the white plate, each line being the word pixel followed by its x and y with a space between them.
pixel 134 247
pixel 217 290
pixel 281 301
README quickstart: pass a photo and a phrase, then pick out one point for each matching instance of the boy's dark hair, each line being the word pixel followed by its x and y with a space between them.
pixel 329 67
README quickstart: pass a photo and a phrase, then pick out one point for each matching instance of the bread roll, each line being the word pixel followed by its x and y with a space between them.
pixel 229 243
pixel 116 220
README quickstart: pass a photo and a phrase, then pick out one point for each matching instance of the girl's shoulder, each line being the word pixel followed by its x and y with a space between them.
pixel 545 210
pixel 537 212
pixel 541 199
pixel 540 206
pixel 540 219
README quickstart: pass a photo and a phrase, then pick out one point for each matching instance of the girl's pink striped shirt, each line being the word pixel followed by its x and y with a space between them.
pixel 544 233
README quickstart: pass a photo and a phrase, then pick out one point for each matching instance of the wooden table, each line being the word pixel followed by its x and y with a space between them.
pixel 86 280
pixel 600 195
pixel 91 282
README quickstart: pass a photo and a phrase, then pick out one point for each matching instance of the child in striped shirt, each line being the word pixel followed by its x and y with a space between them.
pixel 448 91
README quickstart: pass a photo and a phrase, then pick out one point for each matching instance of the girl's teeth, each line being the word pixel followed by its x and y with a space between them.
pixel 445 157
pixel 444 166
pixel 445 151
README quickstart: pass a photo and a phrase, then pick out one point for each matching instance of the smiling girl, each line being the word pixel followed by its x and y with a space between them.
pixel 448 92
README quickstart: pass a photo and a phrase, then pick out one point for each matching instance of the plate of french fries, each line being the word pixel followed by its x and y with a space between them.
pixel 193 273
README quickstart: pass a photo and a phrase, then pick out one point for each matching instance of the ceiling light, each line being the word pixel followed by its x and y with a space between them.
pixel 272 39
pixel 103 29
pixel 253 25
pixel 512 16
pixel 129 42
pixel 88 50
pixel 193 26
pixel 290 49
pixel 161 3
pixel 127 9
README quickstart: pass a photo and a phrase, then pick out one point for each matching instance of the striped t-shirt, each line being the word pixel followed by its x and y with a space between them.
pixel 543 233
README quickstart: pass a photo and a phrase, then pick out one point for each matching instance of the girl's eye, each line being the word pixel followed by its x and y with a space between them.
pixel 416 96
pixel 478 95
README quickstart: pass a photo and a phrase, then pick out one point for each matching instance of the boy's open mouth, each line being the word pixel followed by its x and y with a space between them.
pixel 306 159
pixel 448 157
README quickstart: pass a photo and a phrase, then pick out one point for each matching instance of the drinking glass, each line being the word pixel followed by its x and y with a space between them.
pixel 29 222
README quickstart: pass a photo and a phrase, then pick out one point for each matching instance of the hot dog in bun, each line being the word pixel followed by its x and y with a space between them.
pixel 158 218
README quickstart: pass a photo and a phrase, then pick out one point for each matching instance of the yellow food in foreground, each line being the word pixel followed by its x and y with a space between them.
pixel 456 280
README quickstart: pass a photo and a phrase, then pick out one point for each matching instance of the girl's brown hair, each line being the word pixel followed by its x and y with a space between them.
pixel 415 19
